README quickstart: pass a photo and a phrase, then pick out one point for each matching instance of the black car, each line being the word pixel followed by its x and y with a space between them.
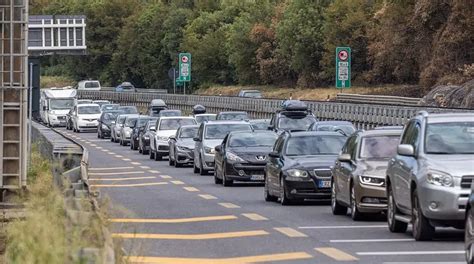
pixel 128 109
pixel 106 120
pixel 236 116
pixel 344 127
pixel 469 229
pixel 299 167
pixel 145 135
pixel 139 127
pixel 242 156
pixel 182 146
pixel 293 116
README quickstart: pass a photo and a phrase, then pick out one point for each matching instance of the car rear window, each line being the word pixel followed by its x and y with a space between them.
pixel 92 85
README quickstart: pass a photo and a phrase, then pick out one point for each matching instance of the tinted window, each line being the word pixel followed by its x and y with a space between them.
pixel 55 104
pixel 129 109
pixel 130 122
pixel 315 145
pixel 260 125
pixel 142 122
pixel 174 124
pixel 92 85
pixel 108 117
pixel 201 119
pixel 220 131
pixel 450 138
pixel 253 94
pixel 233 116
pixel 188 132
pixel 88 110
pixel 379 147
pixel 345 129
pixel 295 123
pixel 252 140
pixel 121 119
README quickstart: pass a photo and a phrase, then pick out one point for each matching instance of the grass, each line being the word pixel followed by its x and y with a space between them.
pixel 47 235
pixel 299 93
pixel 56 81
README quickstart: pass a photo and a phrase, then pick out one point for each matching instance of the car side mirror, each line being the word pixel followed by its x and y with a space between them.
pixel 173 137
pixel 406 150
pixel 344 157
pixel 152 129
pixel 196 139
pixel 270 128
pixel 44 108
pixel 274 154
pixel 218 148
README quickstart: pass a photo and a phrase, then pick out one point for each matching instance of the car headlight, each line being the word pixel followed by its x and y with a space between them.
pixel 209 150
pixel 371 180
pixel 440 178
pixel 127 133
pixel 297 173
pixel 105 127
pixel 233 157
pixel 162 138
pixel 146 137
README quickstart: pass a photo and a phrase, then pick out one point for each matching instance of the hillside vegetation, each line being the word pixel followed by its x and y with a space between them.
pixel 270 42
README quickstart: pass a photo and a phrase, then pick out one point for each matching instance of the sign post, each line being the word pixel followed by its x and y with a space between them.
pixel 343 67
pixel 184 69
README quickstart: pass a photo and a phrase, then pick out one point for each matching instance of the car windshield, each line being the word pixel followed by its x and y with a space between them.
pixel 170 113
pixel 109 117
pixel 174 124
pixel 220 131
pixel 88 110
pixel 379 147
pixel 315 145
pixel 130 121
pixel 253 94
pixel 188 132
pixel 129 109
pixel 143 121
pixel 233 116
pixel 201 119
pixel 101 103
pixel 84 102
pixel 127 87
pixel 296 123
pixel 252 140
pixel 450 138
pixel 92 85
pixel 121 119
pixel 260 125
pixel 110 107
pixel 345 129
pixel 57 104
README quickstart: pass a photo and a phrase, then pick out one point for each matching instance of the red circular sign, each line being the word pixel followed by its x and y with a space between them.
pixel 343 55
pixel 184 59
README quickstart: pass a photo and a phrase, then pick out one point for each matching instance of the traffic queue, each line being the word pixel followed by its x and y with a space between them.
pixel 419 174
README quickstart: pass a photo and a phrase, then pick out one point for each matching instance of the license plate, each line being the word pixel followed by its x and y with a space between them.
pixel 91 125
pixel 324 184
pixel 256 178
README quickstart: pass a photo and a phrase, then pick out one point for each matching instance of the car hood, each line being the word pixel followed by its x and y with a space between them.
pixel 186 142
pixel 309 162
pixel 212 142
pixel 456 165
pixel 251 153
pixel 165 133
pixel 374 167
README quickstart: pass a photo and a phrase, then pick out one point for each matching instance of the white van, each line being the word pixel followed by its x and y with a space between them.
pixel 88 85
pixel 55 103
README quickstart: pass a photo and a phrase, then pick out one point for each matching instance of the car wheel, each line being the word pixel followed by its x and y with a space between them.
pixel 394 225
pixel 171 162
pixel 98 135
pixel 266 193
pixel 216 179
pixel 176 163
pixel 356 215
pixel 152 154
pixel 336 207
pixel 284 200
pixel 202 171
pixel 468 237
pixel 140 150
pixel 225 181
pixel 195 169
pixel 422 229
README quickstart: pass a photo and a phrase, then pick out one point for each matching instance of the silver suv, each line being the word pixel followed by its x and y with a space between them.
pixel 428 181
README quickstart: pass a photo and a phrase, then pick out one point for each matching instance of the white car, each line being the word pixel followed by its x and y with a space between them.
pixel 88 85
pixel 85 117
pixel 166 127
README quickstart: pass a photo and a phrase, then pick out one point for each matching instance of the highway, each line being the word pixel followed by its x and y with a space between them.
pixel 162 214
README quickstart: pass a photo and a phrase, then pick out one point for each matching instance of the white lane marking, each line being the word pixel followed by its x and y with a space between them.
pixel 229 205
pixel 411 262
pixel 371 240
pixel 116 168
pixel 115 173
pixel 166 177
pixel 342 227
pixel 144 167
pixel 207 196
pixel 125 159
pixel 153 171
pixel 395 253
pixel 136 163
pixel 93 145
pixel 111 153
pixel 118 156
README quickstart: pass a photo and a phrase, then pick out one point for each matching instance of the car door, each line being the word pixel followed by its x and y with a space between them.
pixel 274 166
pixel 172 143
pixel 408 166
pixel 220 155
pixel 345 170
pixel 198 144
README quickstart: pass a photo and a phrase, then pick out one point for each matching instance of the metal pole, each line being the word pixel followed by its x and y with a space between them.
pixel 174 80
pixel 184 89
pixel 30 107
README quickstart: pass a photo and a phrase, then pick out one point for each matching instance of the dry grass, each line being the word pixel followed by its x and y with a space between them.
pixel 56 81
pixel 297 93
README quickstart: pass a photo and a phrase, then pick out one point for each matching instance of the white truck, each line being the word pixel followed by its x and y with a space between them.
pixel 55 103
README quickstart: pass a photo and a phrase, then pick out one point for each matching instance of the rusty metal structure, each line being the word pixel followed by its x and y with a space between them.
pixel 13 96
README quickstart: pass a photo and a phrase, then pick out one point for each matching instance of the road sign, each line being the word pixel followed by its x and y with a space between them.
pixel 343 67
pixel 185 67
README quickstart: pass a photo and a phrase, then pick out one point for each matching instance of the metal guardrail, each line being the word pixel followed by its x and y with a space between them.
pixel 139 90
pixel 364 116
pixel 377 99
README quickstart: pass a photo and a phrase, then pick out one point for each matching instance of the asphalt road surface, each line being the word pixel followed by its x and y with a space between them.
pixel 162 214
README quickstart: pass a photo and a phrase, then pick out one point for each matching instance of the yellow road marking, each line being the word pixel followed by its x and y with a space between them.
pixel 128 185
pixel 153 171
pixel 144 167
pixel 208 197
pixel 116 168
pixel 255 217
pixel 177 182
pixel 193 236
pixel 127 160
pixel 175 221
pixel 115 173
pixel 191 189
pixel 336 254
pixel 136 163
pixel 123 179
pixel 290 232
pixel 229 205
pixel 166 177
pixel 238 260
